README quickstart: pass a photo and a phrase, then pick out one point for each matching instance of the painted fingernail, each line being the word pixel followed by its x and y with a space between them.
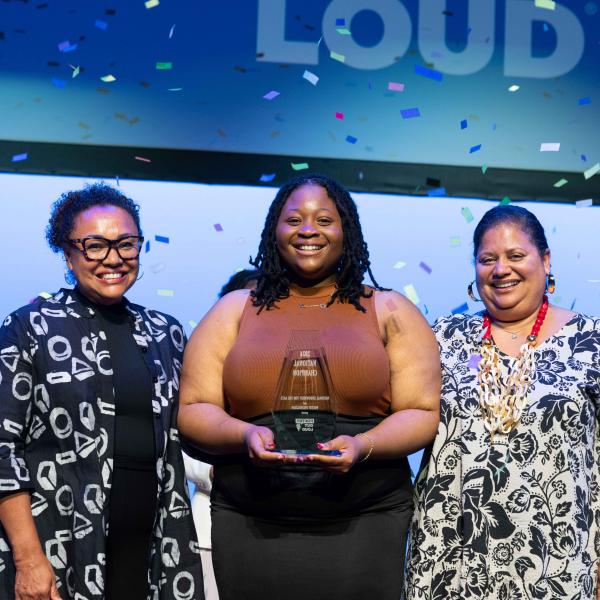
pixel 320 446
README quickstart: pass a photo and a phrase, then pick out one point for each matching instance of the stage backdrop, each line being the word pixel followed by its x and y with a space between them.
pixel 199 235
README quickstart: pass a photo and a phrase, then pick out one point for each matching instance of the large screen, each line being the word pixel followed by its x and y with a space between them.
pixel 484 83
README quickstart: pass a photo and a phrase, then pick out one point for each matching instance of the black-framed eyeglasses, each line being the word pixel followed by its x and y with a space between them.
pixel 98 248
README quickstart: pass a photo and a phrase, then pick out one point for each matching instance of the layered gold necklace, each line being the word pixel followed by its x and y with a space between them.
pixel 502 397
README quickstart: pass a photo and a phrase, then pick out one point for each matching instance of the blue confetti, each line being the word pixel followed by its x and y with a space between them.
pixel 101 25
pixel 147 248
pixel 59 83
pixel 546 28
pixel 463 124
pixel 351 139
pixel 340 22
pixel 19 157
pixel 586 100
pixel 161 238
pixel 584 158
pixel 439 191
pixel 474 148
pixel 460 309
pixel 410 113
pixel 267 178
pixel 431 73
pixel 573 303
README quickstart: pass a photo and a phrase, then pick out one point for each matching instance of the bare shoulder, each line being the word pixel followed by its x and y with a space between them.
pixel 397 315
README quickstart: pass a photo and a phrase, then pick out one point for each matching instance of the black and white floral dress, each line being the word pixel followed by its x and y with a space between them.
pixel 517 519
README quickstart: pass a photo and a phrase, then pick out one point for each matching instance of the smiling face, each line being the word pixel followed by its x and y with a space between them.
pixel 103 281
pixel 309 235
pixel 511 274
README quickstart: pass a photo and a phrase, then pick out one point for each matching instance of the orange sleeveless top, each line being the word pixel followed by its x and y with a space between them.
pixel 356 356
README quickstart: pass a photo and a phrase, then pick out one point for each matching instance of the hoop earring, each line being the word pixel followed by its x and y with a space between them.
pixel 139 276
pixel 471 294
pixel 69 277
pixel 550 283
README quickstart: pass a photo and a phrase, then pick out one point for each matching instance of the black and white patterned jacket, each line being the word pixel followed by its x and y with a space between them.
pixel 57 411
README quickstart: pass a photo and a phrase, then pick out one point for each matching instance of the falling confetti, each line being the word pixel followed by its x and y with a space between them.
pixel 270 95
pixel 467 214
pixel 411 293
pixel 550 147
pixel 311 77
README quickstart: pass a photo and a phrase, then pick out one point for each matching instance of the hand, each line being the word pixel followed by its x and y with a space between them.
pixel 260 445
pixel 35 579
pixel 349 448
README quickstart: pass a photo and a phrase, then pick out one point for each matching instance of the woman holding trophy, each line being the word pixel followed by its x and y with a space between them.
pixel 309 392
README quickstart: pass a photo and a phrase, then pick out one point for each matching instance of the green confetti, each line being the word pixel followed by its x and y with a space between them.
pixel 339 57
pixel 399 265
pixel 484 168
pixel 164 66
pixel 299 166
pixel 505 201
pixel 561 182
pixel 455 240
pixel 411 293
pixel 467 214
pixel 168 293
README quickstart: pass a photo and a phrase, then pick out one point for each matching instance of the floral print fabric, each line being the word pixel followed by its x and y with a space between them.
pixel 515 519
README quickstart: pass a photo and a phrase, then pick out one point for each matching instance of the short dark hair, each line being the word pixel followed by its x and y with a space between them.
pixel 273 278
pixel 70 204
pixel 517 215
pixel 238 281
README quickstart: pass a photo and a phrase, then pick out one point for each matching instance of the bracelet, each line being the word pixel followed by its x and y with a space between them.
pixel 372 442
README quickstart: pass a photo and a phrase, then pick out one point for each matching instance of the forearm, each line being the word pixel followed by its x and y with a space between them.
pixel 400 434
pixel 211 429
pixel 17 521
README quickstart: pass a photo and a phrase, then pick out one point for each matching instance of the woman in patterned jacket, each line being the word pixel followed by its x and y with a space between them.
pixel 93 501
pixel 508 506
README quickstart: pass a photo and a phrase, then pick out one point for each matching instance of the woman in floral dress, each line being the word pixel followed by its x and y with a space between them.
pixel 507 507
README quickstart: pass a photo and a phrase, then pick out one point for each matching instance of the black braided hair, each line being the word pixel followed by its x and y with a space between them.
pixel 70 204
pixel 273 277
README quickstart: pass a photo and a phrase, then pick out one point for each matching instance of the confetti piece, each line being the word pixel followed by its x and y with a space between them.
pixel 147 247
pixel 583 158
pixel 583 101
pixel 270 95
pixel 463 124
pixel 474 361
pixel 425 309
pixel 399 265
pixel 561 182
pixel 299 166
pixel 591 171
pixel 158 267
pixel 76 71
pixel 267 178
pixel 59 83
pixel 161 238
pixel 192 324
pixel 410 113
pixel 171 31
pixel 505 201
pixel 550 147
pixel 166 293
pixel 164 66
pixel 19 157
pixel 473 149
pixel 546 28
pixel 45 295
pixel 151 3
pixel 513 88
pixel 340 22
pixel 584 203
pixel 141 158
pixel 311 77
pixel 339 115
pixel 411 293
pixel 547 4
pixel 460 309
pixel 108 78
pixel 174 89
pixel 436 192
pixel 430 73
pixel 343 31
pixel 425 267
pixel 351 139
pixel 101 24
pixel 573 303
pixel 455 240
pixel 66 46
pixel 339 57
pixel 395 87
pixel 466 213
pixel 484 168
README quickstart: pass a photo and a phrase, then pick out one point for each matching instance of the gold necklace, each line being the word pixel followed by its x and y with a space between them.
pixel 503 398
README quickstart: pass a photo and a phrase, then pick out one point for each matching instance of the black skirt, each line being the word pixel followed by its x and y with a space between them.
pixel 298 532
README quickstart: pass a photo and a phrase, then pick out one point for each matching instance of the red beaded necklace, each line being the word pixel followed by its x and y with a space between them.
pixel 502 397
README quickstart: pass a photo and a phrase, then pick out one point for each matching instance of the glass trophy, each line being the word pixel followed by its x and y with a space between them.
pixel 304 410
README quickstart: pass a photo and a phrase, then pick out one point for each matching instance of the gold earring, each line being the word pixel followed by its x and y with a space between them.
pixel 471 294
pixel 550 283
